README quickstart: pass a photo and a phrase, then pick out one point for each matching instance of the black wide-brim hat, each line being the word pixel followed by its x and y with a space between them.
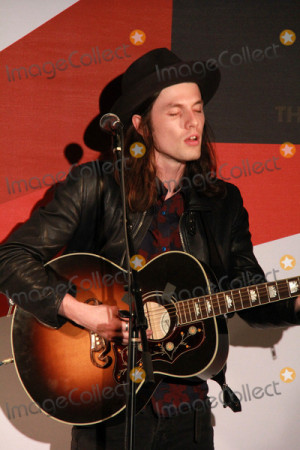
pixel 157 70
pixel 148 75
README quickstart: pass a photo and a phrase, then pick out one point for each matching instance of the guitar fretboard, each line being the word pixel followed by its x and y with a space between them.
pixel 225 302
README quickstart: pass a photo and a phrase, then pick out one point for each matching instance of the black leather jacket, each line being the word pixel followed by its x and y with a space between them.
pixel 85 216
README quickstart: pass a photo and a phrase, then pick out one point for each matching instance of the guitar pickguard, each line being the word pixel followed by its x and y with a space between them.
pixel 166 351
pixel 169 341
pixel 171 350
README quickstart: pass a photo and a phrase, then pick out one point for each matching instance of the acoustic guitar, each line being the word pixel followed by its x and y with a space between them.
pixel 78 377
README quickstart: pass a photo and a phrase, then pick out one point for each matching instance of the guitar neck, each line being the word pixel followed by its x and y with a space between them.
pixel 212 305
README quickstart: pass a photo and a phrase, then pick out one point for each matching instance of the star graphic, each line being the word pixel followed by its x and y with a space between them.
pixel 137 37
pixel 288 262
pixel 287 375
pixel 287 37
pixel 137 375
pixel 137 150
pixel 287 150
pixel 137 262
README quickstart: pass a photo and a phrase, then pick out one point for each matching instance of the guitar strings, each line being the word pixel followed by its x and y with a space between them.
pixel 242 294
pixel 184 307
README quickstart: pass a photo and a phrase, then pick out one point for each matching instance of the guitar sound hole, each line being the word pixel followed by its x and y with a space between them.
pixel 159 320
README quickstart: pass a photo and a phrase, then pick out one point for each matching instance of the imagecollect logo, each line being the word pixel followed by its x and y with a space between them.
pixel 224 59
pixel 73 60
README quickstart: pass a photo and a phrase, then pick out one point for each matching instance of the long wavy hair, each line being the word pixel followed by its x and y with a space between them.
pixel 142 186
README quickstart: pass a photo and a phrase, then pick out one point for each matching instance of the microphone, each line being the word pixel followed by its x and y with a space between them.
pixel 110 123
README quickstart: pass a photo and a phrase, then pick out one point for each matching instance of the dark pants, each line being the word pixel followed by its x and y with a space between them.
pixel 187 431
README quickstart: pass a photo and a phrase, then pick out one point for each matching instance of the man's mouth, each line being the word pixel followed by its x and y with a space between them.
pixel 194 138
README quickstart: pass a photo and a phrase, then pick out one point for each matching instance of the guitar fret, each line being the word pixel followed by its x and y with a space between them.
pixel 208 306
pixel 229 301
pixel 236 295
pixel 215 304
pixel 252 297
pixel 184 314
pixel 190 316
pixel 241 290
pixel 284 290
pixel 264 294
pixel 219 304
pixel 179 307
pixel 197 309
pixel 224 300
pixel 203 308
pixel 259 299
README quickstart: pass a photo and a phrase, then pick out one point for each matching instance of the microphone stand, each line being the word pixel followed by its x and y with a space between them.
pixel 137 321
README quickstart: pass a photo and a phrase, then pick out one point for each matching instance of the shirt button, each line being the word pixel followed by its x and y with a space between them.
pixel 164 213
pixel 164 249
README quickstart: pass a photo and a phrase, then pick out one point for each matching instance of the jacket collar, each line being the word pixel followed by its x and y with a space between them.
pixel 194 201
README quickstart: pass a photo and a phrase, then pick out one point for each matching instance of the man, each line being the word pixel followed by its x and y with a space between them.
pixel 175 203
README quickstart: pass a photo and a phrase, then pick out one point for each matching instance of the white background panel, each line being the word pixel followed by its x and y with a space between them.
pixel 270 421
pixel 21 428
pixel 19 17
pixel 270 253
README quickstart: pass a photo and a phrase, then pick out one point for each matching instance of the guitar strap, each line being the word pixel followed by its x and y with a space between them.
pixel 229 397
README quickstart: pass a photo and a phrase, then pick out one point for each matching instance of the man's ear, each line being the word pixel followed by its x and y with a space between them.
pixel 136 121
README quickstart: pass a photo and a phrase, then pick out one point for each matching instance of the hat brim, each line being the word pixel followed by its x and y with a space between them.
pixel 94 137
pixel 182 72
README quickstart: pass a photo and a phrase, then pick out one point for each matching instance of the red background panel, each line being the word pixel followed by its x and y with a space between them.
pixel 271 196
pixel 43 114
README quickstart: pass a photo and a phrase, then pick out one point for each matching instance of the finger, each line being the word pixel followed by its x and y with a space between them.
pixel 115 311
pixel 149 333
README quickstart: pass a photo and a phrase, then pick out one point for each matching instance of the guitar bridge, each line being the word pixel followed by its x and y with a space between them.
pixel 99 346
